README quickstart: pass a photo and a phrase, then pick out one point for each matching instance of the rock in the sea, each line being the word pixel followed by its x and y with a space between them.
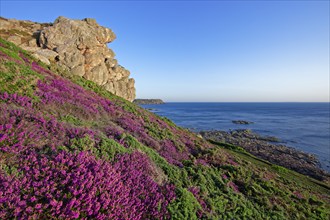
pixel 148 101
pixel 242 122
pixel 79 46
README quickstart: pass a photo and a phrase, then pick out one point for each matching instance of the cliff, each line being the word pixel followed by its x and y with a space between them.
pixel 71 150
pixel 79 46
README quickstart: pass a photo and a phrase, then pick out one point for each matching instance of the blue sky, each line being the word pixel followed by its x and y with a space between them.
pixel 226 51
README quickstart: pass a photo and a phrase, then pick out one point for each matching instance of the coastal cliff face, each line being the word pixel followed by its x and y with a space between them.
pixel 79 46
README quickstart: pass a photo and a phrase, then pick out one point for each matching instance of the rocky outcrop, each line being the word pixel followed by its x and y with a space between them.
pixel 148 101
pixel 80 46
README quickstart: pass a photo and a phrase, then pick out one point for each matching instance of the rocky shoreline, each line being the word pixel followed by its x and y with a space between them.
pixel 269 148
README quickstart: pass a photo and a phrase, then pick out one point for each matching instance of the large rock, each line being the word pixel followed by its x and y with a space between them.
pixel 79 46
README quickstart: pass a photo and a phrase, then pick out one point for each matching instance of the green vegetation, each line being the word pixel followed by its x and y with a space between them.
pixel 211 180
pixel 15 75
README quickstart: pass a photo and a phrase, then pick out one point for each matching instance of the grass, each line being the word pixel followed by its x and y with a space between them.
pixel 18 78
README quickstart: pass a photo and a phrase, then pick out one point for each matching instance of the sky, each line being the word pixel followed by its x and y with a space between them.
pixel 209 51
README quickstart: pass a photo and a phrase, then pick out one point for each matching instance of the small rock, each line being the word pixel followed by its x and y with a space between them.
pixel 33 43
pixel 4 24
pixel 41 58
pixel 91 21
pixel 30 49
pixel 78 70
pixel 15 39
pixel 242 122
pixel 199 136
pixel 49 54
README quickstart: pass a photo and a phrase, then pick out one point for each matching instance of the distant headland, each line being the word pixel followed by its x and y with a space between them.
pixel 148 101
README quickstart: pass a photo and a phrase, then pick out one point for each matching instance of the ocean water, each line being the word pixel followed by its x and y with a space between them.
pixel 304 126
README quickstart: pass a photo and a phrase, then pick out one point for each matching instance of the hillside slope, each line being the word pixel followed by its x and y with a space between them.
pixel 71 150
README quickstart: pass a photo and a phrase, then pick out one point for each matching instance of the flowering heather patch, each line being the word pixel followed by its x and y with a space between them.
pixel 149 141
pixel 78 133
pixel 14 98
pixel 131 124
pixel 22 129
pixel 16 130
pixel 201 162
pixel 161 124
pixel 113 132
pixel 77 185
pixel 136 170
pixel 171 154
pixel 76 99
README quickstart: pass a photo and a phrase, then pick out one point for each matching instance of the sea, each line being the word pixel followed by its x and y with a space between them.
pixel 304 126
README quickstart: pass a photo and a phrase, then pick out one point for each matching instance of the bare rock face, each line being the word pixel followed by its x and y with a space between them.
pixel 79 46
